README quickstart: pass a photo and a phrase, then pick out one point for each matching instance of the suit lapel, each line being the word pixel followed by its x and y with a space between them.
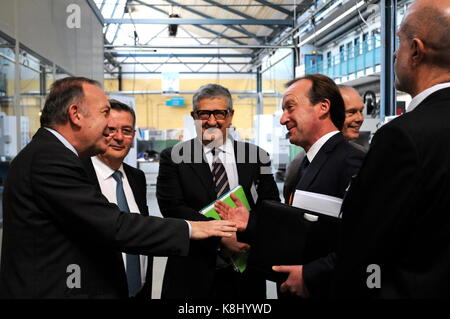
pixel 242 168
pixel 90 170
pixel 319 160
pixel 201 169
pixel 133 181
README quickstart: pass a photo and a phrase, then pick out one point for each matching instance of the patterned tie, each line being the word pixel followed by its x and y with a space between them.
pixel 220 175
pixel 132 261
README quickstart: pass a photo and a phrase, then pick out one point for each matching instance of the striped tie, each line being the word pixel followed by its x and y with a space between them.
pixel 220 176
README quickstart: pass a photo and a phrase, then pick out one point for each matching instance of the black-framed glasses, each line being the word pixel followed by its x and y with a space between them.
pixel 205 114
pixel 126 131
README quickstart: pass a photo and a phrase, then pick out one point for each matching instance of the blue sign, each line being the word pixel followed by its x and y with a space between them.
pixel 175 101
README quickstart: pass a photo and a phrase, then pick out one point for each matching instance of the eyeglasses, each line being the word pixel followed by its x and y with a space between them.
pixel 205 114
pixel 126 131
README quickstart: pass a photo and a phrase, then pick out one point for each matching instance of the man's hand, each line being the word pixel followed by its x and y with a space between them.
pixel 233 247
pixel 294 284
pixel 219 228
pixel 238 214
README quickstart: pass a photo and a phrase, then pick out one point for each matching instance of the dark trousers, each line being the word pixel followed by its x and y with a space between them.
pixel 229 284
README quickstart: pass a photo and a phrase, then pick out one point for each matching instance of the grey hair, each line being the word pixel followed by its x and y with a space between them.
pixel 210 91
pixel 63 93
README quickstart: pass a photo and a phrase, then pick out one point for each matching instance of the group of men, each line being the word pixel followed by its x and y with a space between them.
pixel 76 222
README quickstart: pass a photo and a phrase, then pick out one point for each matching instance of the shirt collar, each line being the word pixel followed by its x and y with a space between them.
pixel 424 94
pixel 104 170
pixel 315 148
pixel 226 148
pixel 62 139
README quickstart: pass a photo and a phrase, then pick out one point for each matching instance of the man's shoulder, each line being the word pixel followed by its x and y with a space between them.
pixel 132 170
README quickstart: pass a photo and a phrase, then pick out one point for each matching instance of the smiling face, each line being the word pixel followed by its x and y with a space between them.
pixel 300 116
pixel 94 117
pixel 354 117
pixel 120 125
pixel 213 129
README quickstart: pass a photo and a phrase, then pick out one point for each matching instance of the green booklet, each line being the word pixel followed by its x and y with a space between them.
pixel 210 211
pixel 239 262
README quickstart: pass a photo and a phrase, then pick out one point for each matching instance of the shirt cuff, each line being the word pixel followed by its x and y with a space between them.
pixel 190 229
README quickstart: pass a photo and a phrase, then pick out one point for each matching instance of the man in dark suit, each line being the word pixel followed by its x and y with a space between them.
pixel 396 221
pixel 354 119
pixel 313 113
pixel 188 181
pixel 101 169
pixel 61 236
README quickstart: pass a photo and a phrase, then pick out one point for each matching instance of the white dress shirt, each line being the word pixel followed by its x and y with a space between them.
pixel 226 156
pixel 424 94
pixel 315 148
pixel 108 187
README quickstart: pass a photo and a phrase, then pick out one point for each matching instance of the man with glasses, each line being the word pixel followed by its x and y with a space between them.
pixel 103 169
pixel 195 173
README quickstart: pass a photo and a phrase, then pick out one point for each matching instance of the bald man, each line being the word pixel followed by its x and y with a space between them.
pixel 396 215
pixel 354 107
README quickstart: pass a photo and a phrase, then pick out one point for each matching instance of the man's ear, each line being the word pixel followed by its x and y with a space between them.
pixel 74 114
pixel 324 107
pixel 417 51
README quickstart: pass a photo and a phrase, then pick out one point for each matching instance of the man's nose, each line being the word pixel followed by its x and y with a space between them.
pixel 283 119
pixel 212 120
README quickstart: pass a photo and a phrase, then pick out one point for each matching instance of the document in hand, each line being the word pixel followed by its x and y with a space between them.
pixel 318 203
pixel 283 236
pixel 239 262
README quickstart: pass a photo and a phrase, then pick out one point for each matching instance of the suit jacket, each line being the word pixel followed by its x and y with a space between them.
pixel 292 172
pixel 61 236
pixel 396 213
pixel 184 187
pixel 329 173
pixel 138 184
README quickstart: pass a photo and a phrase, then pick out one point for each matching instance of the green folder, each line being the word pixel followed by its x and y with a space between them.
pixel 239 262
pixel 210 211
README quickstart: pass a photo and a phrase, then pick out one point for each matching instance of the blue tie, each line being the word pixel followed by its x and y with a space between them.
pixel 133 264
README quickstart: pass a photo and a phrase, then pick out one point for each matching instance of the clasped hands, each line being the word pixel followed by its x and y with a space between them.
pixel 240 215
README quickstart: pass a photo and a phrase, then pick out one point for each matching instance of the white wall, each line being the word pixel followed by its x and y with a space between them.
pixel 42 28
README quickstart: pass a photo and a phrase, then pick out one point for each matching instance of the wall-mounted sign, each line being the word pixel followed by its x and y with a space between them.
pixel 170 82
pixel 175 101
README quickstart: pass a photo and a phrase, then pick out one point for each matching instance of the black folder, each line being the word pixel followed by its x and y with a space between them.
pixel 281 237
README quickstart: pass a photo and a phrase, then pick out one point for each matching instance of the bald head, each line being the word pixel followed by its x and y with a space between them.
pixel 429 20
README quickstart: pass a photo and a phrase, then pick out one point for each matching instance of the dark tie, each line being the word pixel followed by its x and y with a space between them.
pixel 132 261
pixel 220 175
pixel 302 170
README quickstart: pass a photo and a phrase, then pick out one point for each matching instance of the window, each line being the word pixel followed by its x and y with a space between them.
pixel 357 46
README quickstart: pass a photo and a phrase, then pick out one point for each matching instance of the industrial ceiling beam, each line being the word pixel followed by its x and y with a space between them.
pixel 203 21
pixel 234 11
pixel 154 7
pixel 144 72
pixel 275 7
pixel 201 14
pixel 183 55
pixel 200 46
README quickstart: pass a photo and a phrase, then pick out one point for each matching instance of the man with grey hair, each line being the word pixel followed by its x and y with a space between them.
pixel 195 173
pixel 396 221
pixel 61 236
